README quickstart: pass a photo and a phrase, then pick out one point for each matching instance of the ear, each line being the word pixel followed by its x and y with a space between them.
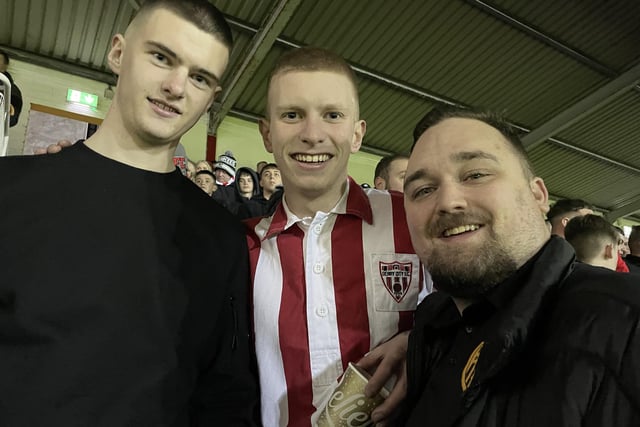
pixel 263 126
pixel 540 194
pixel 609 252
pixel 216 92
pixel 359 129
pixel 379 183
pixel 114 56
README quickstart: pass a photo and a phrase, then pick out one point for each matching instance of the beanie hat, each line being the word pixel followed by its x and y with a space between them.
pixel 227 163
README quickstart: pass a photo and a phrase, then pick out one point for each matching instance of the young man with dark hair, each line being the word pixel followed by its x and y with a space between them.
pixel 206 181
pixel 563 210
pixel 594 240
pixel 518 334
pixel 110 315
pixel 264 203
pixel 390 171
pixel 334 275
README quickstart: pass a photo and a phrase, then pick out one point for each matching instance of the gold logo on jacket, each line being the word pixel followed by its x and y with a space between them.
pixel 469 370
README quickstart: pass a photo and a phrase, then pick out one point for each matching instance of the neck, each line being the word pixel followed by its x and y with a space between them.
pixel 113 141
pixel 462 303
pixel 305 203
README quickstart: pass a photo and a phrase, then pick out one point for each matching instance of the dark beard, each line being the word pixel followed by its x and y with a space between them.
pixel 472 277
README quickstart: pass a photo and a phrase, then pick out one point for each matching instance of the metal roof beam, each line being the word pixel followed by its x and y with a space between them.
pixel 262 42
pixel 59 65
pixel 605 94
pixel 626 210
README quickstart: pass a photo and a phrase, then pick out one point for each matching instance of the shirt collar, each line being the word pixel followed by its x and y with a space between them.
pixel 353 201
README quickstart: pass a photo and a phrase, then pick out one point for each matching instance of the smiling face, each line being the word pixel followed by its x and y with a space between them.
pixel 167 79
pixel 312 128
pixel 473 213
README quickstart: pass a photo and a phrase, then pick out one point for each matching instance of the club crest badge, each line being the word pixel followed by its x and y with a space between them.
pixel 396 277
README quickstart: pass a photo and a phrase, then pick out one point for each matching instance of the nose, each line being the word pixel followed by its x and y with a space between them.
pixel 450 198
pixel 312 131
pixel 175 83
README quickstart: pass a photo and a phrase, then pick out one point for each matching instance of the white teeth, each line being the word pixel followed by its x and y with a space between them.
pixel 164 107
pixel 312 158
pixel 459 230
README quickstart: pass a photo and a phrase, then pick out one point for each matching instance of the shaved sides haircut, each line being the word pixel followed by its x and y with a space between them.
pixel 588 234
pixel 200 13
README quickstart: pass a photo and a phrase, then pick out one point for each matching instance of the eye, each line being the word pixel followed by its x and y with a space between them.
pixel 474 176
pixel 334 115
pixel 422 192
pixel 160 57
pixel 290 115
pixel 201 80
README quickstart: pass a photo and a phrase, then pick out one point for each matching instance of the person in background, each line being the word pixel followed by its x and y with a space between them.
pixel 16 93
pixel 203 165
pixel 225 169
pixel 191 170
pixel 259 166
pixel 565 209
pixel 132 329
pixel 206 181
pixel 390 171
pixel 633 259
pixel 519 333
pixel 594 240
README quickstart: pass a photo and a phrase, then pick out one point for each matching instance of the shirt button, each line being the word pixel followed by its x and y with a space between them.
pixel 322 311
pixel 469 329
pixel 318 268
pixel 317 228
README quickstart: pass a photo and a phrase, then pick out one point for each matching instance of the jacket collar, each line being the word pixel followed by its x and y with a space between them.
pixel 353 201
pixel 509 329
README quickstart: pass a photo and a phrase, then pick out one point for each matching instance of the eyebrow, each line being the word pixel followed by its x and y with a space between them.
pixel 174 56
pixel 460 157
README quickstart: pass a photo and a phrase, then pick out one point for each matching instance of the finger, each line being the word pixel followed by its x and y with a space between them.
pixel 53 149
pixel 384 371
pixel 65 143
pixel 392 402
pixel 40 151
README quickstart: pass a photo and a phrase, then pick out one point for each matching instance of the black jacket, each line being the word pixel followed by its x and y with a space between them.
pixel 565 351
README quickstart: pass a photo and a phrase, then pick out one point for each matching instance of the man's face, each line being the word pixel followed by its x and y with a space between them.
pixel 623 244
pixel 473 215
pixel 245 184
pixel 311 130
pixel 222 176
pixel 397 171
pixel 270 179
pixel 206 182
pixel 167 79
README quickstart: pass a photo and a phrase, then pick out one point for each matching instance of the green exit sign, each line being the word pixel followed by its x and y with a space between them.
pixel 83 98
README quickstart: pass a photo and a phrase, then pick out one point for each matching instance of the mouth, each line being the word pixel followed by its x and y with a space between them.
pixel 461 229
pixel 311 158
pixel 164 106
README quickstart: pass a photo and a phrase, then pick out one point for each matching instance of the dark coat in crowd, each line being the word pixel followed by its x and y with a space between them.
pixel 561 349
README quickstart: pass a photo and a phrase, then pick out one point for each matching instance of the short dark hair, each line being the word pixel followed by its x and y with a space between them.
pixel 268 166
pixel 206 172
pixel 382 168
pixel 310 58
pixel 493 119
pixel 587 234
pixel 6 56
pixel 635 234
pixel 564 206
pixel 200 13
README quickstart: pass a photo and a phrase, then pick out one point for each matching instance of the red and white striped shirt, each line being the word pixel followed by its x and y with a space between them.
pixel 326 290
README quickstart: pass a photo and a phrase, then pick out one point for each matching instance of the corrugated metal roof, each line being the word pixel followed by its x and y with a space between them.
pixel 532 60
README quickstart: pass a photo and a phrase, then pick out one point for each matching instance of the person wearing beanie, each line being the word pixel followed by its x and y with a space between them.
pixel 225 169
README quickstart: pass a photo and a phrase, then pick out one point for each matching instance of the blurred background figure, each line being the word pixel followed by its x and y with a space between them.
pixel 16 94
pixel 203 165
pixel 633 258
pixel 563 210
pixel 259 166
pixel 389 173
pixel 206 181
pixel 225 169
pixel 594 240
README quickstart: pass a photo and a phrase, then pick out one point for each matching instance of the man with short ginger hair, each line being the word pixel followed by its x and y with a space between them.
pixel 324 287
